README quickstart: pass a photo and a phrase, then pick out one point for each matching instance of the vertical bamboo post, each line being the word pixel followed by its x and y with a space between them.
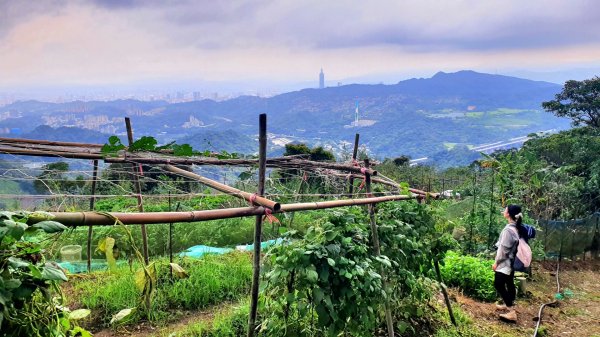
pixel 354 154
pixel 444 292
pixel 92 203
pixel 138 191
pixel 377 248
pixel 490 240
pixel 472 222
pixel 443 183
pixel 262 161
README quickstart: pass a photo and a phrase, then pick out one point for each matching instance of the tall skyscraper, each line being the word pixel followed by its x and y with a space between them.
pixel 321 80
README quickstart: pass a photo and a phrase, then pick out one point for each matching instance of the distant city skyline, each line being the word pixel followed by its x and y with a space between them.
pixel 112 47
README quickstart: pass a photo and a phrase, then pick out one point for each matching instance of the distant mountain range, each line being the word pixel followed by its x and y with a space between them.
pixel 431 117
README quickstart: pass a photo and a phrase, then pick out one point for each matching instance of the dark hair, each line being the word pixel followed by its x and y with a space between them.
pixel 514 211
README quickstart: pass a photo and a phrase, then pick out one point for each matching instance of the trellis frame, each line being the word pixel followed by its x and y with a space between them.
pixel 261 206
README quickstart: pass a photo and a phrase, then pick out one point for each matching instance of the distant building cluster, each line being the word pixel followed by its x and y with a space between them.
pixel 193 122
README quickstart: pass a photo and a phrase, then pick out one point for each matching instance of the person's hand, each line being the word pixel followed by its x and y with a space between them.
pixel 494 267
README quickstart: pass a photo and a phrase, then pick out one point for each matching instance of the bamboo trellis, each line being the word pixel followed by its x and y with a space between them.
pixel 261 207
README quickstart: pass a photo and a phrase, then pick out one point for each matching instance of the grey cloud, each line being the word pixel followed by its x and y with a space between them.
pixel 17 12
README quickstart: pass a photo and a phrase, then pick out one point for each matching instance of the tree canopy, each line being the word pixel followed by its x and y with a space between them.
pixel 579 101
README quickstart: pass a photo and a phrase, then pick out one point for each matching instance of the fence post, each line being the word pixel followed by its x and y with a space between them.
pixel 375 235
pixel 490 240
pixel 354 154
pixel 138 190
pixel 92 203
pixel 262 160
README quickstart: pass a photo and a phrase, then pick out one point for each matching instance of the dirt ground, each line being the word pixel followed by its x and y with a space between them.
pixel 577 315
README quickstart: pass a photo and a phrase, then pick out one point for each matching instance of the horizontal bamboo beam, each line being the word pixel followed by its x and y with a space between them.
pixel 39 153
pixel 341 203
pixel 292 163
pixel 393 184
pixel 250 197
pixel 48 142
pixel 81 219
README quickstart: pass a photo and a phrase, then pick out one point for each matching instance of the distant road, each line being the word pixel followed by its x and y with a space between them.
pixel 491 147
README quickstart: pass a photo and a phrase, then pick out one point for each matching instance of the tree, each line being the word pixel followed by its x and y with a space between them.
pixel 402 161
pixel 579 101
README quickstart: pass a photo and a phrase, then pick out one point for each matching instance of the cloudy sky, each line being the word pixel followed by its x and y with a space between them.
pixel 121 42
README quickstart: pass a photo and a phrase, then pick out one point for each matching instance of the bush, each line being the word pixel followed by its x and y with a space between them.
pixel 471 274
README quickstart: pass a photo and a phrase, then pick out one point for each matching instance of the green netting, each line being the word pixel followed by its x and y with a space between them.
pixel 570 238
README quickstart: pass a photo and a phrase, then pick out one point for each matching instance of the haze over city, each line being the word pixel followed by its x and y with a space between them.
pixel 91 48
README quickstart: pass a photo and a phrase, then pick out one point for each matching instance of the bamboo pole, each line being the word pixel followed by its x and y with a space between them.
pixel 48 142
pixel 262 158
pixel 341 203
pixel 138 190
pixel 83 219
pixel 394 184
pixel 90 229
pixel 162 159
pixel 354 154
pixel 39 153
pixel 490 239
pixel 252 198
pixel 376 247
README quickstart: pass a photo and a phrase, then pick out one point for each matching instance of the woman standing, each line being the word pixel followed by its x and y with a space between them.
pixel 504 279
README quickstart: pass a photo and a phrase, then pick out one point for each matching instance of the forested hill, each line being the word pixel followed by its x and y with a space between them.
pixel 415 117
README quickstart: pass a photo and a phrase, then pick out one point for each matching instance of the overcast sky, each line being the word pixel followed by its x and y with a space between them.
pixel 113 42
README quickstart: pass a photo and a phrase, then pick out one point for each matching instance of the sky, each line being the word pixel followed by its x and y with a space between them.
pixel 282 43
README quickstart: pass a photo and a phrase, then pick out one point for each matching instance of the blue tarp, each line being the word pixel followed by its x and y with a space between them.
pixel 263 245
pixel 81 266
pixel 200 250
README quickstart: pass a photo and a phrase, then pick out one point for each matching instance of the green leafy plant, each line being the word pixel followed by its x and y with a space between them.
pixel 30 299
pixel 471 274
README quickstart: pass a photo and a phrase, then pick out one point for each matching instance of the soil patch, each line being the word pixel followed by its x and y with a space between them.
pixel 578 314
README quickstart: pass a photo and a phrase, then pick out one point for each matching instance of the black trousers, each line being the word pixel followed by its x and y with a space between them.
pixel 505 285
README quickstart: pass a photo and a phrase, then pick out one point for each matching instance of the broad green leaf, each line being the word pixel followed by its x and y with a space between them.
pixel 312 275
pixel 121 315
pixel 79 314
pixel 15 229
pixel 101 245
pixel 15 262
pixel 79 331
pixel 49 226
pixel 331 262
pixel 178 271
pixel 109 243
pixel 12 283
pixel 318 295
pixel 140 279
pixel 24 291
pixel 52 273
pixel 6 214
pixel 5 297
pixel 35 271
pixel 145 143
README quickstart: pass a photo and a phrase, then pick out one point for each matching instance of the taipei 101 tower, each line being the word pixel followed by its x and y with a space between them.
pixel 321 80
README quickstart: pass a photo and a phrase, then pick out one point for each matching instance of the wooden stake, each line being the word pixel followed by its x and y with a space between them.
pixel 376 247
pixel 138 191
pixel 92 203
pixel 444 292
pixel 262 159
